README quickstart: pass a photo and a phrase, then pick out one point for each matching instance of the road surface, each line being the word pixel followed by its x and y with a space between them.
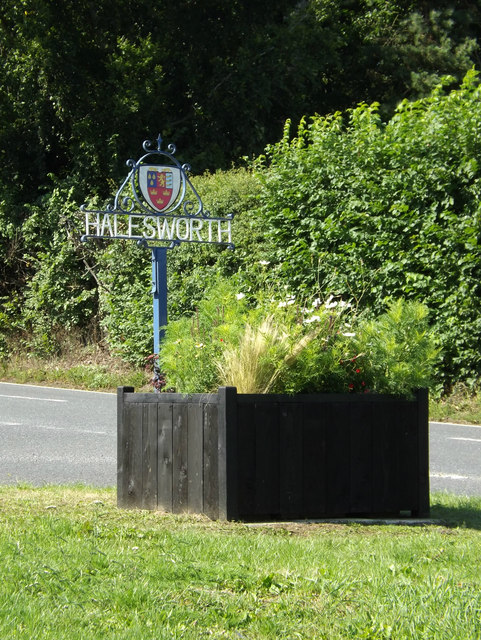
pixel 455 458
pixel 52 436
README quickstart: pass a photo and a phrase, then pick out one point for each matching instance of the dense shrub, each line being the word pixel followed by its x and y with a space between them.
pixel 375 211
pixel 192 268
pixel 59 294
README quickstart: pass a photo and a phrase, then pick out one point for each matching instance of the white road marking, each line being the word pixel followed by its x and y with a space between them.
pixel 454 424
pixel 465 439
pixel 69 429
pixel 451 476
pixel 50 428
pixel 32 398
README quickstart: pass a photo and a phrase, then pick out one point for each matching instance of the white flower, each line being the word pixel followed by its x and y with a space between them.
pixel 290 300
pixel 239 296
pixel 331 305
pixel 312 319
pixel 264 263
pixel 349 335
pixel 317 303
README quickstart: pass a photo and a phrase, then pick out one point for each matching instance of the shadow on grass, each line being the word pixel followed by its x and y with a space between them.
pixel 456 511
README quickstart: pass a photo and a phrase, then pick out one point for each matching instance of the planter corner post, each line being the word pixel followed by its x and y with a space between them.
pixel 423 447
pixel 227 454
pixel 123 446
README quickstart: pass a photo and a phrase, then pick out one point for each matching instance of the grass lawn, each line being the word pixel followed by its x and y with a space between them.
pixel 75 567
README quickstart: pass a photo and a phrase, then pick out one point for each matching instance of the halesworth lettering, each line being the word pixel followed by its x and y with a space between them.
pixel 161 228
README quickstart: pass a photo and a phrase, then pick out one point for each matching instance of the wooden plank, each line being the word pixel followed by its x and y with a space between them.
pixel 338 458
pixel 266 419
pixel 403 464
pixel 291 460
pixel 164 457
pixel 407 456
pixel 133 456
pixel 195 449
pixel 314 475
pixel 246 465
pixel 170 398
pixel 179 459
pixel 361 475
pixel 385 499
pixel 149 456
pixel 211 462
pixel 122 446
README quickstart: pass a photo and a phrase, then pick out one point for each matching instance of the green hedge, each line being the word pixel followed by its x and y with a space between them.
pixel 374 211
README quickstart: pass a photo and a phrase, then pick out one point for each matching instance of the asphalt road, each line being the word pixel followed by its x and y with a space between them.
pixel 455 458
pixel 51 436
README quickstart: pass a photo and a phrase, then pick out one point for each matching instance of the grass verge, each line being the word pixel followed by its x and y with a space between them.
pixel 87 369
pixel 93 369
pixel 462 406
pixel 74 566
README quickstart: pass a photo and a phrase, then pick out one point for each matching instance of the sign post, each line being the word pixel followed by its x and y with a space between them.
pixel 159 208
pixel 159 292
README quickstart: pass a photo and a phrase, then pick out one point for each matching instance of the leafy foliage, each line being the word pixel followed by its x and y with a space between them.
pixel 282 346
pixel 58 292
pixel 83 84
pixel 396 351
pixel 192 344
pixel 377 211
pixel 192 268
pixel 125 277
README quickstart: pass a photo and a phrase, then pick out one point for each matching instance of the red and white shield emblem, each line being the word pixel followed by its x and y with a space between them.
pixel 160 185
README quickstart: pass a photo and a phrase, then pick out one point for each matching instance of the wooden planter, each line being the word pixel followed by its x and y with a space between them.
pixel 273 457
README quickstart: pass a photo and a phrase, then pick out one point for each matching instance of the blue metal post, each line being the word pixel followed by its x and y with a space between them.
pixel 159 290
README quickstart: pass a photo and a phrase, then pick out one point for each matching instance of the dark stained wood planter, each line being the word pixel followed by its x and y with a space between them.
pixel 273 457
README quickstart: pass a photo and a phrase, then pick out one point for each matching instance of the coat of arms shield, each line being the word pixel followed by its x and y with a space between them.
pixel 160 185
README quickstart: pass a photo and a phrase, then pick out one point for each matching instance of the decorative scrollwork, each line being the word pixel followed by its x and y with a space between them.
pixel 128 204
pixel 189 208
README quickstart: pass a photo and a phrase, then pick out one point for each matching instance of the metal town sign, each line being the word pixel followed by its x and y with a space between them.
pixel 158 206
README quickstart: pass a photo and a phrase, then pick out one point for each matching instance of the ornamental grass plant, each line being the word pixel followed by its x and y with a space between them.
pixel 251 365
